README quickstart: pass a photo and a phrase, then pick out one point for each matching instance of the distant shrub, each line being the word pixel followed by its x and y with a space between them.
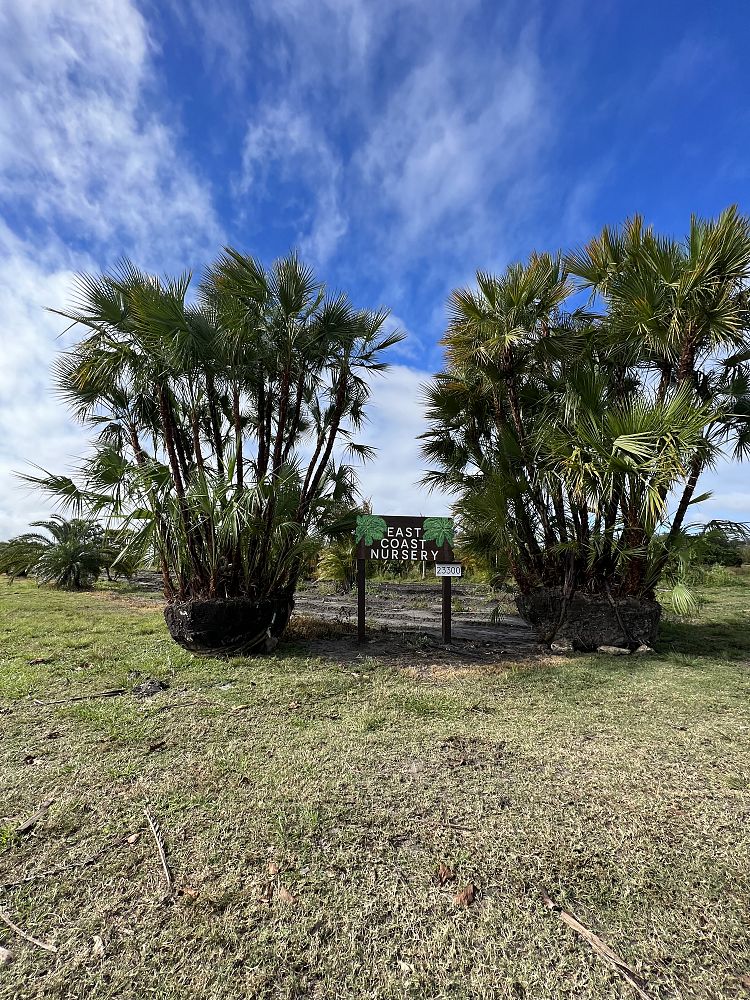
pixel 714 548
pixel 718 576
pixel 337 563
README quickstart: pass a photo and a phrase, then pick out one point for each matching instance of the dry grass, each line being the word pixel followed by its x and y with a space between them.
pixel 619 787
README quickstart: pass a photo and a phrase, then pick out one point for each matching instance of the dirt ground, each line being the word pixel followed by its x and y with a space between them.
pixel 403 624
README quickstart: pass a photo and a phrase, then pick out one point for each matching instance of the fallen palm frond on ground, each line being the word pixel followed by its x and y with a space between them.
pixel 154 826
pixel 600 947
pixel 31 822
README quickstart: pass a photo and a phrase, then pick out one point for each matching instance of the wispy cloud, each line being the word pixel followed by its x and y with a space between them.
pixel 80 145
pixel 222 35
pixel 283 142
pixel 33 425
pixel 451 138
pixel 399 142
pixel 89 170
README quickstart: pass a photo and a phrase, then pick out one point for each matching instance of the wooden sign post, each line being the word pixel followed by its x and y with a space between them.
pixel 409 539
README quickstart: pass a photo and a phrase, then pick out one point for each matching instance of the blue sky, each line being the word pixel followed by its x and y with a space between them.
pixel 399 145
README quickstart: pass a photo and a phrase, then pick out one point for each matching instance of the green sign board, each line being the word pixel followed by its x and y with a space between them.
pixel 414 539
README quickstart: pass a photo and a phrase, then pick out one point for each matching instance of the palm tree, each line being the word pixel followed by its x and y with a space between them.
pixel 685 304
pixel 569 435
pixel 69 556
pixel 226 426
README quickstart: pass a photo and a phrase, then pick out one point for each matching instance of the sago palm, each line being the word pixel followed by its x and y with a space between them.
pixel 69 556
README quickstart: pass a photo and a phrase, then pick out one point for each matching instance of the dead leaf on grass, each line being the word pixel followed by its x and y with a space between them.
pixel 466 896
pixel 285 896
pixel 97 950
pixel 444 874
pixel 745 981
pixel 41 659
pixel 188 891
pixel 6 956
pixel 133 838
pixel 273 868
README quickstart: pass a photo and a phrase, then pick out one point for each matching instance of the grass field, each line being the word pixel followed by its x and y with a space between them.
pixel 620 786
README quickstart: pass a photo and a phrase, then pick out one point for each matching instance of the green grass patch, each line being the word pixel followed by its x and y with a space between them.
pixel 620 786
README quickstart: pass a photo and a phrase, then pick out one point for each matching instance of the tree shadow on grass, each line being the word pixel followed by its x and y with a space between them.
pixel 581 675
pixel 726 640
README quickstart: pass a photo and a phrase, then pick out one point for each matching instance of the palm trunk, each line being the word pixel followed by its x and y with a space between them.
pixel 294 426
pixel 168 429
pixel 213 412
pixel 281 419
pixel 167 426
pixel 197 451
pixel 338 412
pixel 237 418
pixel 140 458
pixel 696 467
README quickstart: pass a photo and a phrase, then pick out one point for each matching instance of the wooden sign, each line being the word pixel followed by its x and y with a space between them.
pixel 412 539
pixel 408 539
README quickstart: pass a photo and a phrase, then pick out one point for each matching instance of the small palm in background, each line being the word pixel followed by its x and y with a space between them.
pixel 337 563
pixel 70 556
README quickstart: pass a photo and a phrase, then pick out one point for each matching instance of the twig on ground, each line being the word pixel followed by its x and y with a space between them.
pixel 31 822
pixel 27 937
pixel 84 697
pixel 457 826
pixel 160 847
pixel 184 704
pixel 599 946
pixel 54 871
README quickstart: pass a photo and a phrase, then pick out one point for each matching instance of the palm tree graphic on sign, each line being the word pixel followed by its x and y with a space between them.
pixel 370 528
pixel 438 530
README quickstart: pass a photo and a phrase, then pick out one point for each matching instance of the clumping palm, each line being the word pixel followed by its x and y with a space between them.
pixel 574 434
pixel 224 422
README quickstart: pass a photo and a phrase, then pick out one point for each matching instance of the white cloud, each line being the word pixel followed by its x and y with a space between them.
pixel 396 419
pixel 735 503
pixel 285 141
pixel 450 138
pixel 221 32
pixel 419 155
pixel 326 40
pixel 34 427
pixel 730 499
pixel 80 145
pixel 84 160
